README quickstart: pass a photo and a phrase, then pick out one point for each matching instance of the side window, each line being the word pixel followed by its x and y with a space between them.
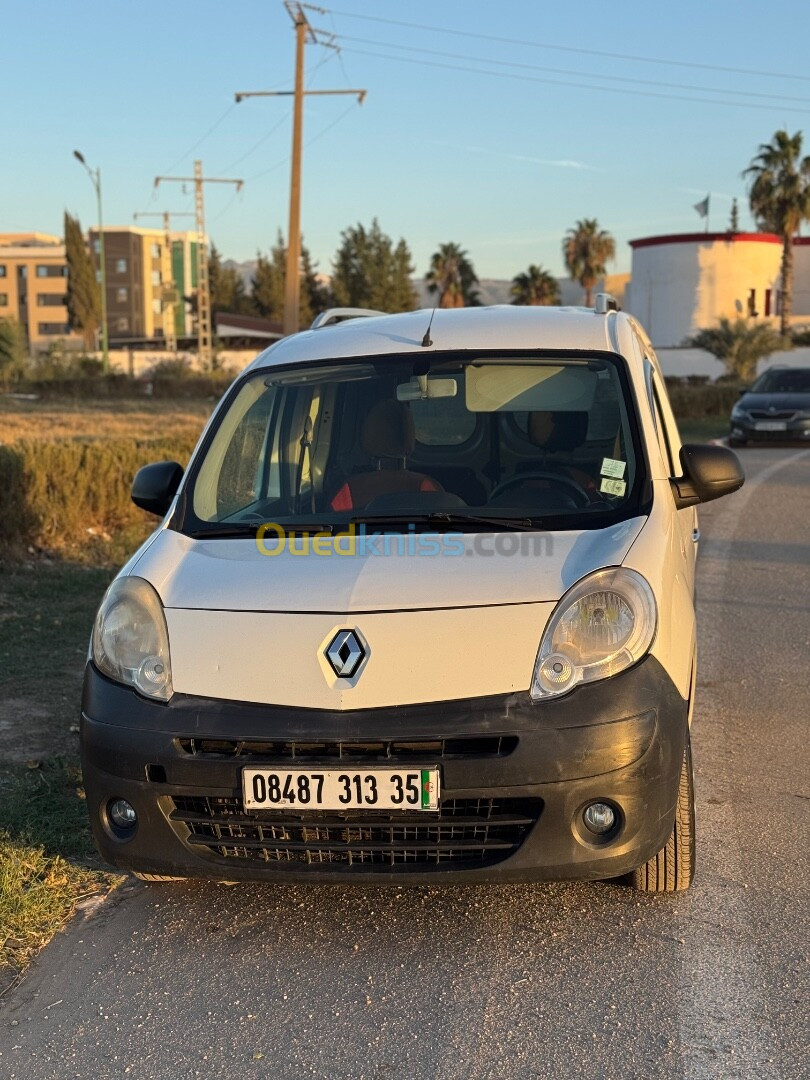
pixel 663 435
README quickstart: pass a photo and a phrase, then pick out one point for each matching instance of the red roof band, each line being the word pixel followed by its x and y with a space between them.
pixel 709 237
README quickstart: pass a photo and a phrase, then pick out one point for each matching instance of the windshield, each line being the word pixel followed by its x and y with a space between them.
pixel 498 438
pixel 783 381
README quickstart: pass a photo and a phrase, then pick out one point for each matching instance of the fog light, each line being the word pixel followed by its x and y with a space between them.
pixel 599 817
pixel 122 815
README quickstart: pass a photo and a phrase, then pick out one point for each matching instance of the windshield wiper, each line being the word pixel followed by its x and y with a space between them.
pixel 250 528
pixel 442 517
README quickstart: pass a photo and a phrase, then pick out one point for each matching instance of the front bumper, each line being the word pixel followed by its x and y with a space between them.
pixel 515 778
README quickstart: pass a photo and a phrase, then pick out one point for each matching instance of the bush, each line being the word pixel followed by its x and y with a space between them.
pixel 698 401
pixel 74 495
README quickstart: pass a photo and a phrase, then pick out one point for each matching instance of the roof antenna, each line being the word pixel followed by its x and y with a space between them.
pixel 426 342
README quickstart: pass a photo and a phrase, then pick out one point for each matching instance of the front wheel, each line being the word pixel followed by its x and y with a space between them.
pixel 673 868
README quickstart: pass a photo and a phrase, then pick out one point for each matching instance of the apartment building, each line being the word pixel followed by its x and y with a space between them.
pixel 146 284
pixel 33 281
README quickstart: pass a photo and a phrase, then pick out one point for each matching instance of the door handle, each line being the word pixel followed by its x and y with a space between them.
pixel 696 535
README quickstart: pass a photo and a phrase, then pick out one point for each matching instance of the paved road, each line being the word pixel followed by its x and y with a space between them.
pixel 555 981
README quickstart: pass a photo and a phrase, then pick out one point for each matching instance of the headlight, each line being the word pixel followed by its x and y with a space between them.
pixel 130 639
pixel 738 414
pixel 605 623
pixel 803 414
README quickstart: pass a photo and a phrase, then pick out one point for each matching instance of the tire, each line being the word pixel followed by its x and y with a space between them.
pixel 155 877
pixel 737 442
pixel 673 868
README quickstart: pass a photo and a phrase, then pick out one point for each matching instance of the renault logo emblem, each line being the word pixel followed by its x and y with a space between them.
pixel 346 653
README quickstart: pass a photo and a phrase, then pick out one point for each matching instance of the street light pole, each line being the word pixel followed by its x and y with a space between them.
pixel 95 176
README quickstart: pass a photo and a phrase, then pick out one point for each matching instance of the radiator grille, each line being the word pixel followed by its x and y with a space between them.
pixel 270 750
pixel 464 833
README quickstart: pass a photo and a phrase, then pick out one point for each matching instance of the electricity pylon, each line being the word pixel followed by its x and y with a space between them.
pixel 203 289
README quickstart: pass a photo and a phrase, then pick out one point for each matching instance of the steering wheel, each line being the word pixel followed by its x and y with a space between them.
pixel 571 487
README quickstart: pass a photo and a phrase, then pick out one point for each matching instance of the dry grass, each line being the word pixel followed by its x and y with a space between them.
pixel 102 419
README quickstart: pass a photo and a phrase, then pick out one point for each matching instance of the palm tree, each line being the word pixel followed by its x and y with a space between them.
pixel 535 288
pixel 586 249
pixel 452 276
pixel 739 344
pixel 779 197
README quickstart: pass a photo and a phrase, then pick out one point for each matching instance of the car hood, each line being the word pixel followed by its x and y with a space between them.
pixel 474 570
pixel 777 402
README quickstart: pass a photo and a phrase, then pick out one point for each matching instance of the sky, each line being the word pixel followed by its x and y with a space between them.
pixel 492 125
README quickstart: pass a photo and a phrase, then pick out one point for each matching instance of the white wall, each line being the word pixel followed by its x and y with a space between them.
pixel 679 288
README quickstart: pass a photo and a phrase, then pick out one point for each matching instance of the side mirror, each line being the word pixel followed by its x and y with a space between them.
pixel 709 472
pixel 156 485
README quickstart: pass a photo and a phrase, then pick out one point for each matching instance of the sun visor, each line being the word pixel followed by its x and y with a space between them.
pixel 530 387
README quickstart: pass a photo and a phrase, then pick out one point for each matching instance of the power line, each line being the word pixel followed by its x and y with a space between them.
pixel 202 138
pixel 571 48
pixel 321 133
pixel 578 85
pixel 578 74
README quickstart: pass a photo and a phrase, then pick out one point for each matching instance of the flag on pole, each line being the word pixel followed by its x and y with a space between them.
pixel 703 207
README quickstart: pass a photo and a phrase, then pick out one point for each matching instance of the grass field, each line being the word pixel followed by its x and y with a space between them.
pixel 47 861
pixel 141 419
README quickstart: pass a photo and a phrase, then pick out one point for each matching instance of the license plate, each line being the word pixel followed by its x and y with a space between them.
pixel 771 425
pixel 341 789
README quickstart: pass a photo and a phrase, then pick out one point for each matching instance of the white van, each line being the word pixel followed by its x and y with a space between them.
pixel 420 609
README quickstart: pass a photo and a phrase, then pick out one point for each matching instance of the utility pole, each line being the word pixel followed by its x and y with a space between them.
pixel 170 296
pixel 303 31
pixel 203 290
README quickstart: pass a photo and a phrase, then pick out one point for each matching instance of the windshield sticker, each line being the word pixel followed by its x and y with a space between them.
pixel 613 487
pixel 612 467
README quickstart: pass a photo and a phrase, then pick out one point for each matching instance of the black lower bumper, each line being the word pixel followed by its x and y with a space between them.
pixel 515 778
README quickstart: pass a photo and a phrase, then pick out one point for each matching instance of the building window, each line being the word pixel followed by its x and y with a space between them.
pixel 2 271
pixel 768 293
pixel 156 307
pixel 3 299
pixel 155 251
pixel 122 324
pixel 96 246
pixel 155 277
pixel 121 295
pixel 46 328
pixel 51 299
pixel 120 266
pixel 752 303
pixel 51 271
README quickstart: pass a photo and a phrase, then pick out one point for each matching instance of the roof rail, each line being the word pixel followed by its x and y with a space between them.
pixel 335 315
pixel 605 303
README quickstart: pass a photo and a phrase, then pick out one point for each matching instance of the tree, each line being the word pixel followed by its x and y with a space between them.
pixel 535 288
pixel 226 286
pixel 268 283
pixel 13 351
pixel 779 197
pixel 370 271
pixel 452 276
pixel 83 292
pixel 740 345
pixel 586 249
pixel 734 222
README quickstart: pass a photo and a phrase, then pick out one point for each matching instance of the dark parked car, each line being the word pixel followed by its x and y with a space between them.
pixel 775 409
